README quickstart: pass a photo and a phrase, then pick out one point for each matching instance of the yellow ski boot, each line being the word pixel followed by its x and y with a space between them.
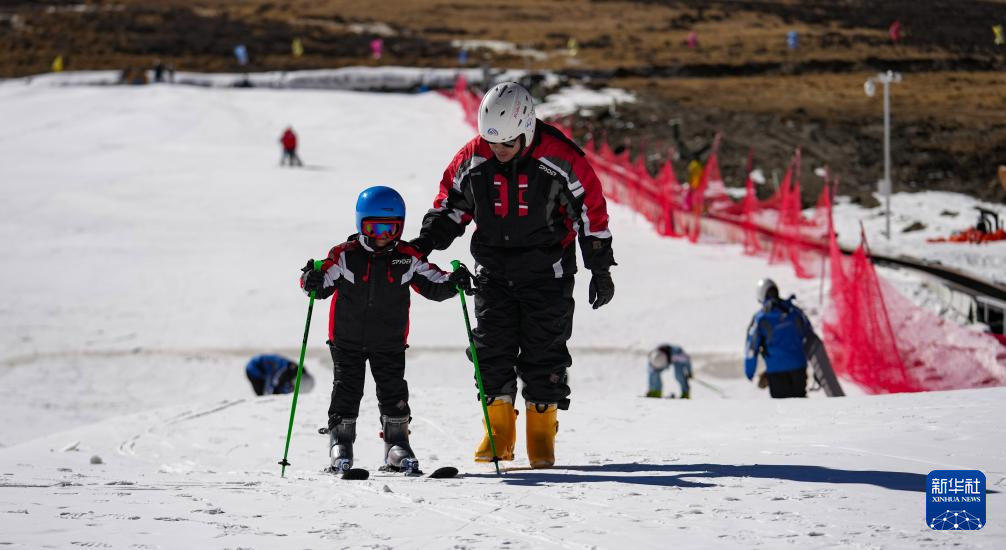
pixel 503 418
pixel 541 429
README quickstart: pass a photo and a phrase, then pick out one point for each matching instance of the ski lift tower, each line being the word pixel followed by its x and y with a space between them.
pixel 870 88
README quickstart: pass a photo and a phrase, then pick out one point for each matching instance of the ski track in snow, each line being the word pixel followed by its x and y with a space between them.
pixel 183 243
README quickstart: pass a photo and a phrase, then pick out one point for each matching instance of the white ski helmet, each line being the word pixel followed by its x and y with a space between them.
pixel 766 289
pixel 507 112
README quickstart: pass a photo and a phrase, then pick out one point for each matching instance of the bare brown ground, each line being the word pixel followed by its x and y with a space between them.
pixel 949 112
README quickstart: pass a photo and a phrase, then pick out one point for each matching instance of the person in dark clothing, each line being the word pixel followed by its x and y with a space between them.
pixel 532 195
pixel 696 161
pixel 289 141
pixel 368 278
pixel 274 374
pixel 158 71
pixel 776 333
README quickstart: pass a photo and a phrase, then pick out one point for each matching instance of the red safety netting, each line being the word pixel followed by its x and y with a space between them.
pixel 468 101
pixel 875 336
pixel 857 330
pixel 885 343
pixel 749 207
pixel 797 239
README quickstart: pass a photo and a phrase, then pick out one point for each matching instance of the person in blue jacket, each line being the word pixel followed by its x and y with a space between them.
pixel 273 374
pixel 662 357
pixel 776 333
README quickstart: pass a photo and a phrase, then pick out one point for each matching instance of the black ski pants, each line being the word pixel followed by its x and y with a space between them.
pixel 388 370
pixel 522 331
pixel 788 384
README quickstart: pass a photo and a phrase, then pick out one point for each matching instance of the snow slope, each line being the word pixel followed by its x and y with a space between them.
pixel 151 245
pixel 345 78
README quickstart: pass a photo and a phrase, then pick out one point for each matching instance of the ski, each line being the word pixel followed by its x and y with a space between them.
pixel 444 472
pixel 352 474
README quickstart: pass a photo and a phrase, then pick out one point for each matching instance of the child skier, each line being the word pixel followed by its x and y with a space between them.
pixel 368 277
pixel 289 142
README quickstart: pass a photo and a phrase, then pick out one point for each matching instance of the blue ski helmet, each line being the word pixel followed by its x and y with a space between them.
pixel 379 202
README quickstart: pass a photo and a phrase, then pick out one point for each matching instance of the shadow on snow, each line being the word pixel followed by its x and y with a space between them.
pixel 690 475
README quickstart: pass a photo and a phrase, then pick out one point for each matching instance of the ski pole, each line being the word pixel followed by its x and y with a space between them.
pixel 710 386
pixel 300 369
pixel 478 373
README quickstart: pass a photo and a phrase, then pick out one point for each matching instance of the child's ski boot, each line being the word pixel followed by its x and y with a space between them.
pixel 541 429
pixel 503 418
pixel 398 454
pixel 340 444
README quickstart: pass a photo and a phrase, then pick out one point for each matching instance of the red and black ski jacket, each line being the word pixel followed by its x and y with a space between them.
pixel 370 293
pixel 527 212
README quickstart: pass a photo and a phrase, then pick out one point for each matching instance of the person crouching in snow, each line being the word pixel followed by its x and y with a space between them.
pixel 274 374
pixel 368 278
pixel 662 357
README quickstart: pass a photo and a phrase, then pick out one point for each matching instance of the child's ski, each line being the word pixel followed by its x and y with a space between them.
pixel 352 474
pixel 444 472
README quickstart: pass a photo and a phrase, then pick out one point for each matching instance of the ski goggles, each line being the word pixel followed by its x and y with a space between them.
pixel 508 144
pixel 378 228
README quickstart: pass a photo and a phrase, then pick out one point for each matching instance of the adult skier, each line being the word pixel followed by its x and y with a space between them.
pixel 531 194
pixel 777 332
pixel 368 278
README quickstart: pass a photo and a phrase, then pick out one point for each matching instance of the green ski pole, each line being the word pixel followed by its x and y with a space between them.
pixel 478 373
pixel 300 369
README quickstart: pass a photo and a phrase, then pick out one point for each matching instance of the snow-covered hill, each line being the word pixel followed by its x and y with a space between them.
pixel 151 245
pixel 917 217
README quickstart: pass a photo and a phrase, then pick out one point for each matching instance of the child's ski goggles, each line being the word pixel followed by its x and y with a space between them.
pixel 379 228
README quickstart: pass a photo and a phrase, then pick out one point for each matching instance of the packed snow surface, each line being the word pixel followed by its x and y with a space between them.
pixel 151 245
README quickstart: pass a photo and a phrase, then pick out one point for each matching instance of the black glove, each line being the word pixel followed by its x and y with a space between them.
pixel 461 277
pixel 315 280
pixel 602 288
pixel 423 244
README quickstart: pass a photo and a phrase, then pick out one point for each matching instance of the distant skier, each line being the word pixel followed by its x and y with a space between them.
pixel 695 158
pixel 158 71
pixel 662 357
pixel 273 374
pixel 532 195
pixel 289 141
pixel 776 332
pixel 368 278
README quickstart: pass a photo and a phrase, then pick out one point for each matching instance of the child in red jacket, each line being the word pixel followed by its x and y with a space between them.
pixel 289 141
